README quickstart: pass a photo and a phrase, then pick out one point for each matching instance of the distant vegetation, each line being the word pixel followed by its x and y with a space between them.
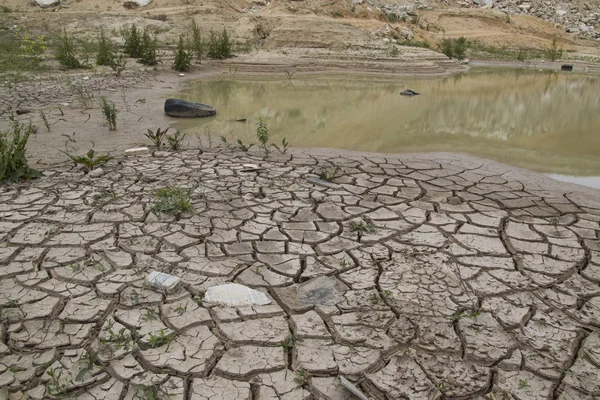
pixel 454 48
pixel 13 163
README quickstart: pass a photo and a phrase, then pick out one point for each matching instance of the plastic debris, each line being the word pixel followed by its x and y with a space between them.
pixel 233 294
pixel 136 150
pixel 162 281
pixel 320 182
pixel 352 388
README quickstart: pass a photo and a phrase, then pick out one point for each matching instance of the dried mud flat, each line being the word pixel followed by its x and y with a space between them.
pixel 474 280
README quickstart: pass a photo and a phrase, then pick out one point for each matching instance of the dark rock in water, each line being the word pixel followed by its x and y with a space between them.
pixel 21 112
pixel 187 109
pixel 409 92
pixel 566 67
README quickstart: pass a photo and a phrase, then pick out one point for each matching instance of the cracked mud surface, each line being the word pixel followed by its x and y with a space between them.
pixel 473 280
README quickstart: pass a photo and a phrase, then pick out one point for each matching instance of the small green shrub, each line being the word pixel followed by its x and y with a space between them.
pixel 262 134
pixel 106 50
pixel 109 111
pixel 5 10
pixel 197 42
pixel 172 200
pixel 554 52
pixel 156 137
pixel 65 52
pixel 56 386
pixel 149 49
pixel 219 45
pixel 13 163
pixel 454 48
pixel 89 160
pixel 133 41
pixel 328 174
pixel 160 339
pixel 183 57
pixel 391 17
pixel 176 140
pixel 284 146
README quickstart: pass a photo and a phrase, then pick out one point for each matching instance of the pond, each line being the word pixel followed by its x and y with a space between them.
pixel 541 120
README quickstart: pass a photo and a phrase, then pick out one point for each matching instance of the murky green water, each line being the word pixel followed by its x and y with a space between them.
pixel 544 121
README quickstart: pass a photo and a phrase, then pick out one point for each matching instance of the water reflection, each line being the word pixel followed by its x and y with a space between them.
pixel 545 121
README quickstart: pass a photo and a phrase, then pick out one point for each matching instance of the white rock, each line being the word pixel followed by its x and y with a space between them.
pixel 96 173
pixel 232 294
pixel 135 3
pixel 181 74
pixel 162 281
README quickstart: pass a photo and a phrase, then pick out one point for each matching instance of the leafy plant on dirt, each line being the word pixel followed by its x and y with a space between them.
pixel 197 44
pixel 361 227
pixel 172 200
pixel 328 174
pixel 106 50
pixel 88 362
pixel 156 137
pixel 152 392
pixel 121 339
pixel 284 146
pixel 56 386
pixel 148 49
pixel 109 110
pixel 66 52
pixel 301 378
pixel 219 45
pixel 175 140
pixel 262 134
pixel 133 41
pixel 290 342
pixel 244 147
pixel 183 57
pixel 90 160
pixel 82 94
pixel 554 52
pixel 159 339
pixel 454 48
pixel 13 162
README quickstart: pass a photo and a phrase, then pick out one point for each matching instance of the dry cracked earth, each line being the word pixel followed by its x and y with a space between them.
pixel 414 276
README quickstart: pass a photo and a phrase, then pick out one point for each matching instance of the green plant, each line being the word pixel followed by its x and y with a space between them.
pixel 150 314
pixel 361 227
pixel 65 52
pixel 175 140
pixel 109 111
pixel 284 146
pixel 183 57
pixel 328 174
pixel 219 45
pixel 5 10
pixel 106 50
pixel 82 94
pixel 391 17
pixel 148 49
pixel 133 41
pixel 197 42
pixel 290 341
pixel 523 383
pixel 181 309
pixel 454 48
pixel 13 162
pixel 262 134
pixel 554 52
pixel 56 386
pixel 244 147
pixel 301 378
pixel 45 120
pixel 121 339
pixel 160 339
pixel 156 137
pixel 89 160
pixel 394 51
pixel 172 200
pixel 152 392
pixel 88 362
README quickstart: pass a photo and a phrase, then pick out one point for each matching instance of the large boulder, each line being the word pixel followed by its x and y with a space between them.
pixel 187 109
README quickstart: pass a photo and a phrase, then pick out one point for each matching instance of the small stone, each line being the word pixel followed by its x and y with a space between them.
pixel 233 294
pixel 96 173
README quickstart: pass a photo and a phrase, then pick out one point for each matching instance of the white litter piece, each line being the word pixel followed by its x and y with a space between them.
pixel 250 168
pixel 162 281
pixel 181 74
pixel 353 389
pixel 232 294
pixel 136 150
